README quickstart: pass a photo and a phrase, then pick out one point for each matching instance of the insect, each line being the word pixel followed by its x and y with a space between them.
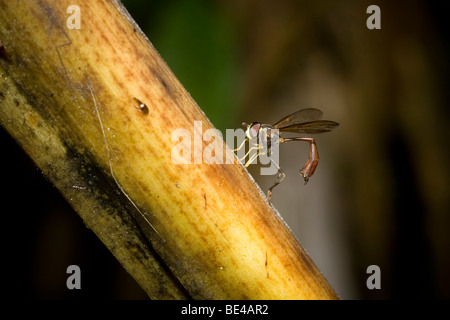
pixel 306 121
pixel 141 106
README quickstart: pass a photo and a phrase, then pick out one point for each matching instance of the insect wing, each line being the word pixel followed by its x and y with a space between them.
pixel 311 127
pixel 301 116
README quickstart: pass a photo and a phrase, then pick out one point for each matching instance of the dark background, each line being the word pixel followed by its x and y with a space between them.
pixel 381 192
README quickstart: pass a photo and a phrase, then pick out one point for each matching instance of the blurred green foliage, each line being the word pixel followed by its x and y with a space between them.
pixel 197 40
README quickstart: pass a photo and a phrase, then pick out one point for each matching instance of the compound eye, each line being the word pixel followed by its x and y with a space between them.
pixel 254 130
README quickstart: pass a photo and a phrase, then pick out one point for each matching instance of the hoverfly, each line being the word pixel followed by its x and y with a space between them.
pixel 303 121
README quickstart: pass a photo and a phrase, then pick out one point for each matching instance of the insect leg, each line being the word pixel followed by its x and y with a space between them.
pixel 242 144
pixel 257 154
pixel 257 147
pixel 309 168
pixel 280 178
